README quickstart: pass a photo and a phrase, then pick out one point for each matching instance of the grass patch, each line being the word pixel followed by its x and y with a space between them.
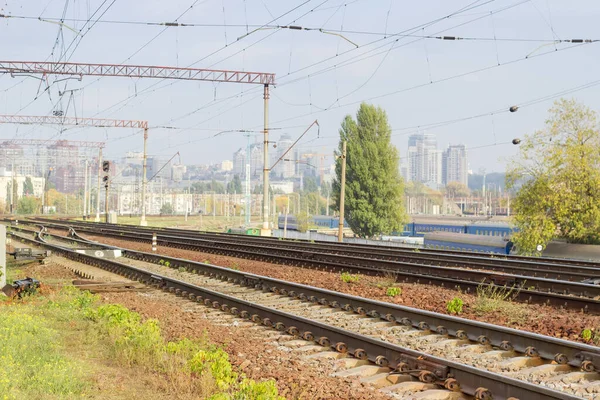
pixel 455 306
pixel 385 281
pixel 393 291
pixel 349 278
pixel 58 345
pixel 493 298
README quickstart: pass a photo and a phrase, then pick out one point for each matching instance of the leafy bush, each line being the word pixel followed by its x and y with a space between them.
pixel 349 278
pixel 393 291
pixel 455 306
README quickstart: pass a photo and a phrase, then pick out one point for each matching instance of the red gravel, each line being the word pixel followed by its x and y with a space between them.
pixel 295 378
pixel 545 320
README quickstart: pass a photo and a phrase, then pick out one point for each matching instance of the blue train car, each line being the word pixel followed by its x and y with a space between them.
pixel 468 242
pixel 422 229
pixel 292 223
pixel 490 229
pixel 322 221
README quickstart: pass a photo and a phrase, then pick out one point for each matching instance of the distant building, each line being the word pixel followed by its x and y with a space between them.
pixel 455 165
pixel 424 160
pixel 154 165
pixel 134 157
pixel 6 187
pixel 177 172
pixel 286 187
pixel 285 169
pixel 226 165
pixel 239 162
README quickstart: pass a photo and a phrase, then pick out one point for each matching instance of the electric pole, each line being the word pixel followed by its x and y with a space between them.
pixel 342 194
pixel 265 231
pixel 144 166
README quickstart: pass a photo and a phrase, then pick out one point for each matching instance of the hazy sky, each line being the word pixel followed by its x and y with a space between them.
pixel 418 81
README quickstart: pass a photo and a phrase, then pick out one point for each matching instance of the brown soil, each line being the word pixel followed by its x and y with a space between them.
pixel 296 378
pixel 545 320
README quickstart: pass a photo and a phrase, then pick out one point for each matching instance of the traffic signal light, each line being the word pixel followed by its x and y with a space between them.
pixel 105 166
pixel 105 179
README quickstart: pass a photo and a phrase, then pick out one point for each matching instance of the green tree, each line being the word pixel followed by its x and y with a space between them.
pixel 310 184
pixel 374 195
pixel 28 205
pixel 559 169
pixel 456 189
pixel 166 209
pixel 235 186
pixel 28 187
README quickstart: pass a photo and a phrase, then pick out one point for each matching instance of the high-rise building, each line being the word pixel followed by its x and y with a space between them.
pixel 177 172
pixel 455 165
pixel 239 163
pixel 424 160
pixel 285 169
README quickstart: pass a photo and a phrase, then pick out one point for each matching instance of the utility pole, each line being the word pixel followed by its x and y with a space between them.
pixel 144 166
pixel 97 219
pixel 342 194
pixel 85 190
pixel 265 231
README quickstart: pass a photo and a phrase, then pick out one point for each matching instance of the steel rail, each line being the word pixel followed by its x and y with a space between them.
pixel 530 266
pixel 549 291
pixel 472 381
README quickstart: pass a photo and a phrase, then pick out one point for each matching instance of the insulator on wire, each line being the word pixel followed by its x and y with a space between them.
pixel 448 38
pixel 513 108
pixel 516 141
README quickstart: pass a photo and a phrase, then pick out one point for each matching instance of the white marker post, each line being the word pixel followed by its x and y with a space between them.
pixel 2 256
pixel 154 242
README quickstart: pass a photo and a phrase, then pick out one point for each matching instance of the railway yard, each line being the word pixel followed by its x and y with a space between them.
pixel 350 321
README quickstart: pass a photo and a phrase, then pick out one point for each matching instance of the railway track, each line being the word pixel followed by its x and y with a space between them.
pixel 440 257
pixel 299 309
pixel 568 294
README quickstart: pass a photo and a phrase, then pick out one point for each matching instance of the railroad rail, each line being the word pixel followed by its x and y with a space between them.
pixel 452 375
pixel 441 257
pixel 537 267
pixel 529 289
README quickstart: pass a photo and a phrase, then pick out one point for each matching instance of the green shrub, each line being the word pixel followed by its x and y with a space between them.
pixel 393 291
pixel 586 334
pixel 455 306
pixel 167 264
pixel 349 278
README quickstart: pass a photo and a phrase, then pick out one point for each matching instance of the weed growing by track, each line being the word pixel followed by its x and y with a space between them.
pixel 455 306
pixel 349 278
pixel 55 347
pixel 493 298
pixel 393 291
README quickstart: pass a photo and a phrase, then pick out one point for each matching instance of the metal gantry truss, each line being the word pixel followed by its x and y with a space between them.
pixel 135 71
pixel 144 71
pixel 47 142
pixel 74 121
pixel 84 122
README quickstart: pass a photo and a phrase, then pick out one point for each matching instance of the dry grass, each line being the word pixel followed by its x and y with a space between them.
pixel 499 299
pixel 385 281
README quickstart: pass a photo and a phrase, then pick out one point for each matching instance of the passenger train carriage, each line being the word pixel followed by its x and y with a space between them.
pixel 468 242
